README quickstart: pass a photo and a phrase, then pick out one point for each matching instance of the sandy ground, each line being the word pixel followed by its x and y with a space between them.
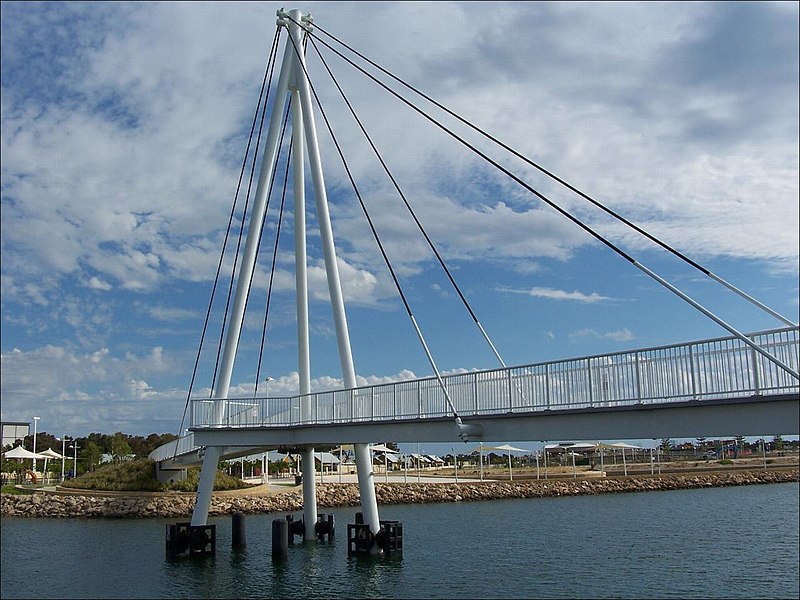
pixel 279 485
pixel 469 475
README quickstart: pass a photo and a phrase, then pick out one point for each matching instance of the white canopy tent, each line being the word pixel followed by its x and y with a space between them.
pixel 505 448
pixel 382 448
pixel 509 449
pixel 573 447
pixel 20 452
pixel 49 454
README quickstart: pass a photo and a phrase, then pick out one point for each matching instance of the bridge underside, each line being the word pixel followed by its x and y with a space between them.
pixel 748 416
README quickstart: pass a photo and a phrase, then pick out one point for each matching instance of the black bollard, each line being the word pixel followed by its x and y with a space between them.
pixel 238 531
pixel 295 528
pixel 324 527
pixel 280 538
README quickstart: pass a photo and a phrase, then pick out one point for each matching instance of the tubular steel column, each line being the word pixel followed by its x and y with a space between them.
pixel 301 286
pixel 212 453
pixel 366 481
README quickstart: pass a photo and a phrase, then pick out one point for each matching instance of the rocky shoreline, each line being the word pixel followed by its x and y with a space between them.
pixel 54 505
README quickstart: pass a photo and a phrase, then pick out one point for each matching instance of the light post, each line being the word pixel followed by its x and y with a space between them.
pixel 481 459
pixel 74 459
pixel 35 423
pixel 63 456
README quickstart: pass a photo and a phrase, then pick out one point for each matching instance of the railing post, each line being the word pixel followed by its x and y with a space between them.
pixel 692 372
pixel 756 371
pixel 638 378
pixel 547 385
pixel 419 400
pixel 475 391
pixel 372 403
pixel 510 392
pixel 589 372
pixel 352 405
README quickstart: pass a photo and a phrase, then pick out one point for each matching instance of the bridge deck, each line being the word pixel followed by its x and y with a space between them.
pixel 723 373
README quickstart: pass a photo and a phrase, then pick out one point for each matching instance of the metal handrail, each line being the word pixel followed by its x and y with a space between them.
pixel 713 368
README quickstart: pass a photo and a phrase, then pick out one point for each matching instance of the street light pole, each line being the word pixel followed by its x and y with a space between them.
pixel 63 456
pixel 74 459
pixel 35 423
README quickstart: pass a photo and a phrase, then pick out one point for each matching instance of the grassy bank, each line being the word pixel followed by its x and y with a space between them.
pixel 140 476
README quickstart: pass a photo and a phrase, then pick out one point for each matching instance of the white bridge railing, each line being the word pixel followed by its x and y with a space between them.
pixel 710 369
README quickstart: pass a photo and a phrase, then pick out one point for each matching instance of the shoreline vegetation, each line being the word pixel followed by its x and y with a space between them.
pixel 263 499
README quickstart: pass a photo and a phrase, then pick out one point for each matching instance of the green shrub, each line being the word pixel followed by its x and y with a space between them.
pixel 725 461
pixel 222 481
pixel 140 476
pixel 130 476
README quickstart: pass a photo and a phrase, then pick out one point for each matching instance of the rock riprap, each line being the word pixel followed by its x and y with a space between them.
pixel 55 505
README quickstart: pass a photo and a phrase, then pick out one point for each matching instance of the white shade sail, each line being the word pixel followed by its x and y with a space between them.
pixel 49 453
pixel 20 452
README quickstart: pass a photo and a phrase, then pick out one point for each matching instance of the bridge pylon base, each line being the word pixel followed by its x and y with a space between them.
pixel 362 542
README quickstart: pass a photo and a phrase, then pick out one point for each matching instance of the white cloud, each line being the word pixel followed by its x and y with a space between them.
pixel 90 391
pixel 553 294
pixel 622 335
pixel 170 313
pixel 96 283
pixel 136 190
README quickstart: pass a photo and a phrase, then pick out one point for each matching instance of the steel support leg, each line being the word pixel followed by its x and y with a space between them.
pixel 309 493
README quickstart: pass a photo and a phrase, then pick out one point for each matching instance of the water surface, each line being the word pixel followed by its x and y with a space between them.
pixel 737 542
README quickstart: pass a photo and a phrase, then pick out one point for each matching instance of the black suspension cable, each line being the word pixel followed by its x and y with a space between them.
pixel 576 221
pixel 566 184
pixel 269 194
pixel 241 233
pixel 266 210
pixel 379 243
pixel 270 60
pixel 274 250
pixel 410 209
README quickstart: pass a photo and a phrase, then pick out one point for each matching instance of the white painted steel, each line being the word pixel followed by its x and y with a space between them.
pixel 791 371
pixel 301 294
pixel 749 298
pixel 300 260
pixel 309 493
pixel 708 369
pixel 208 472
pixel 366 483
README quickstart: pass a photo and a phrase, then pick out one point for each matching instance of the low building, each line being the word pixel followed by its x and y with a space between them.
pixel 14 431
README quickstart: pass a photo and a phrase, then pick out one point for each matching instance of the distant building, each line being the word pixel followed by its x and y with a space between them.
pixel 107 458
pixel 15 430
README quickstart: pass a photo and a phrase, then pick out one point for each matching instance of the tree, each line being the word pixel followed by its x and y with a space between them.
pixel 119 447
pixel 91 454
pixel 666 445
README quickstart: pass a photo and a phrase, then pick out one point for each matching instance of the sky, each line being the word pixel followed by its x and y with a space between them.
pixel 124 127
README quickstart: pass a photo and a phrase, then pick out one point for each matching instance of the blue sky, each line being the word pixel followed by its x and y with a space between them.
pixel 124 124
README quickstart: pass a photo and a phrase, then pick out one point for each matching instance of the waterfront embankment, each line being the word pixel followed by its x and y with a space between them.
pixel 54 505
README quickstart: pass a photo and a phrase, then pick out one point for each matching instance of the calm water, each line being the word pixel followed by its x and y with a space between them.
pixel 721 542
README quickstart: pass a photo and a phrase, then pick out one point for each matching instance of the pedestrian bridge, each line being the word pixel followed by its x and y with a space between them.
pixel 712 387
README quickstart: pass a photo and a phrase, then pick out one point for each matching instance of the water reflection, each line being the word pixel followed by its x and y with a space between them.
pixel 374 576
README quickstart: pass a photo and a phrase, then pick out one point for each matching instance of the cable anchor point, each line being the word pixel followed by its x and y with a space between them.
pixel 469 431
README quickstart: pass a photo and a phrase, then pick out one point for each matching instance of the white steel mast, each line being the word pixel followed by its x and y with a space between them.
pixel 292 80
